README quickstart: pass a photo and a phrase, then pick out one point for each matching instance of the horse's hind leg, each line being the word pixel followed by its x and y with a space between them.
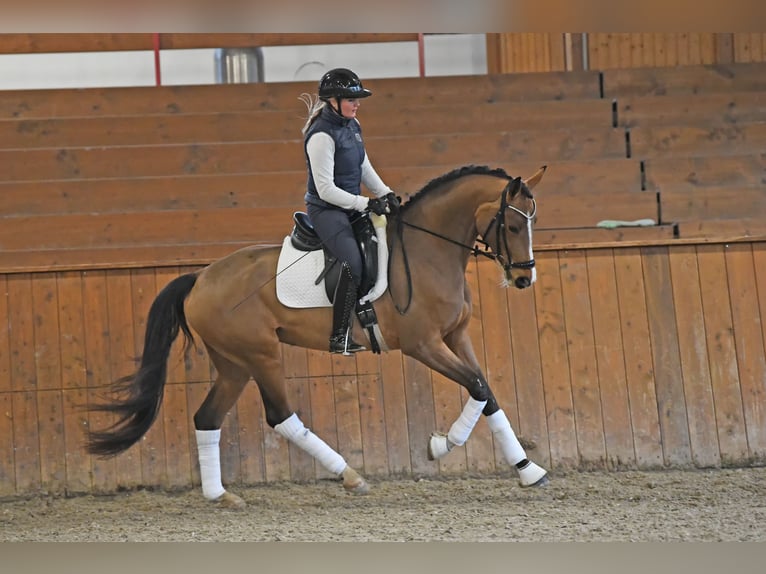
pixel 267 372
pixel 230 382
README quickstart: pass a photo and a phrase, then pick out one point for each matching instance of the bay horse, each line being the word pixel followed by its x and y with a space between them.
pixel 232 306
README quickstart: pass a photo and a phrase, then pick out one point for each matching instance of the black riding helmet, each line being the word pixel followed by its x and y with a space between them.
pixel 342 83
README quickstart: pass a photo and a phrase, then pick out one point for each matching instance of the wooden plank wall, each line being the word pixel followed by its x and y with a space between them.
pixel 618 358
pixel 540 52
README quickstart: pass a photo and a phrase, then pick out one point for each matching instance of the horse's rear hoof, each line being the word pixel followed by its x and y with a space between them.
pixel 354 483
pixel 229 500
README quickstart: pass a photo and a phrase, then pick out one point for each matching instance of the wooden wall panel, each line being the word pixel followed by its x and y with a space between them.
pixel 526 52
pixel 562 432
pixel 396 414
pixel 749 341
pixel 638 360
pixel 724 374
pixel 586 396
pixel 640 50
pixel 7 442
pixel 671 405
pixel 7 463
pixel 251 435
pixel 749 47
pixel 643 358
pixel 608 345
pixel 74 380
pixel 690 325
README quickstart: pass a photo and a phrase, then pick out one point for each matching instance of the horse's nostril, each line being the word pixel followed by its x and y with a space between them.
pixel 522 282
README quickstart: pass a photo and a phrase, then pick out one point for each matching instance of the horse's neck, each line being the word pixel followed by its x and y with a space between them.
pixel 452 216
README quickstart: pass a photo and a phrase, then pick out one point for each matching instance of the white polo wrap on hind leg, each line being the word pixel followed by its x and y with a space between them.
pixel 209 454
pixel 505 437
pixel 462 427
pixel 293 430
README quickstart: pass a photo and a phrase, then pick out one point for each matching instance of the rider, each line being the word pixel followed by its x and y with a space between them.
pixel 337 166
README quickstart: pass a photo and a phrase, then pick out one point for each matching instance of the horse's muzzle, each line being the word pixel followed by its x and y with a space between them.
pixel 522 282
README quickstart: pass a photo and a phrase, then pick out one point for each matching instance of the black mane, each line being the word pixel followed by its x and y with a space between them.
pixel 455 174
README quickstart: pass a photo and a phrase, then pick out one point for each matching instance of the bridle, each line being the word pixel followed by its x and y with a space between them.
pixel 498 221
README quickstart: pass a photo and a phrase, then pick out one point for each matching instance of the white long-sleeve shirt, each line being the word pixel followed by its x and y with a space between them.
pixel 321 153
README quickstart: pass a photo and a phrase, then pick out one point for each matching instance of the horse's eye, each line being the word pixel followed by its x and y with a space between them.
pixel 513 229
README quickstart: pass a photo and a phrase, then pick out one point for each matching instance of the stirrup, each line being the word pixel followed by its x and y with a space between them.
pixel 343 344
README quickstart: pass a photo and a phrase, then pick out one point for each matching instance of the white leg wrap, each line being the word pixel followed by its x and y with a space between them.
pixel 210 463
pixel 505 437
pixel 462 427
pixel 293 430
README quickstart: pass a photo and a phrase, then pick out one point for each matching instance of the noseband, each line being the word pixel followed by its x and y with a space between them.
pixel 499 222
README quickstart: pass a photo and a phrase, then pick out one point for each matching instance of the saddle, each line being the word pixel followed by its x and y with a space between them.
pixel 304 238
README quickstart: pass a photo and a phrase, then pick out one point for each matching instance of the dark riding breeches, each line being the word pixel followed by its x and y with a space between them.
pixel 334 229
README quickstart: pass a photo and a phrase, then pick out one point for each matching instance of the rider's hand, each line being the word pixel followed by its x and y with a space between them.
pixel 377 206
pixel 393 203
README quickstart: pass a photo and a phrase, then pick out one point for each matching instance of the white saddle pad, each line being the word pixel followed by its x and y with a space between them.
pixel 296 273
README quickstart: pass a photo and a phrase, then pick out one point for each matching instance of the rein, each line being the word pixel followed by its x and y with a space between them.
pixel 498 220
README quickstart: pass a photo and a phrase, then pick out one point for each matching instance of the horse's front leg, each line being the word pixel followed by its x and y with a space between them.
pixel 459 364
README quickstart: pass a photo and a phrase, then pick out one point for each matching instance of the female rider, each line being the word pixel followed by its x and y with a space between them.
pixel 337 166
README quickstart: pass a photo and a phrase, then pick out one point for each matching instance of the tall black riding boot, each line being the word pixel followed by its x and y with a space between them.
pixel 344 304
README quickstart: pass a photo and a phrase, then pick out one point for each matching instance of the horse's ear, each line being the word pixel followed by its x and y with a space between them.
pixel 515 186
pixel 535 179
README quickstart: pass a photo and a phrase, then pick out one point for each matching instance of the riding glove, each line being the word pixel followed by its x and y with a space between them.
pixel 393 203
pixel 377 206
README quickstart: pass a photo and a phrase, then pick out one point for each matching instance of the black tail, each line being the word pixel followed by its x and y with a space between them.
pixel 140 394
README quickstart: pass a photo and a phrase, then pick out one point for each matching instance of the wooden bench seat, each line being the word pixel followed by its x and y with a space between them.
pixel 715 109
pixel 274 189
pixel 712 203
pixel 684 80
pixel 262 224
pixel 700 140
pixel 703 171
pixel 501 148
pixel 392 93
pixel 83 240
pixel 286 125
pixel 722 230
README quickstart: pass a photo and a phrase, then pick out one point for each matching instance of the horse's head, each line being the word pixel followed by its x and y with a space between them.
pixel 506 227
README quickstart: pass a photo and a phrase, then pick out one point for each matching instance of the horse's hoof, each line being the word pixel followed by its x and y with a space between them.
pixel 354 483
pixel 438 446
pixel 533 475
pixel 544 481
pixel 229 500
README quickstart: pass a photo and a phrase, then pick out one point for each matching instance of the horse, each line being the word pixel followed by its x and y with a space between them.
pixel 232 306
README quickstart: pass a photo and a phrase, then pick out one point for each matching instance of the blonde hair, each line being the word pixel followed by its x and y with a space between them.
pixel 314 106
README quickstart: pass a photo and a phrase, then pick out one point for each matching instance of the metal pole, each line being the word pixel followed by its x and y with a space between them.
pixel 421 56
pixel 157 72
